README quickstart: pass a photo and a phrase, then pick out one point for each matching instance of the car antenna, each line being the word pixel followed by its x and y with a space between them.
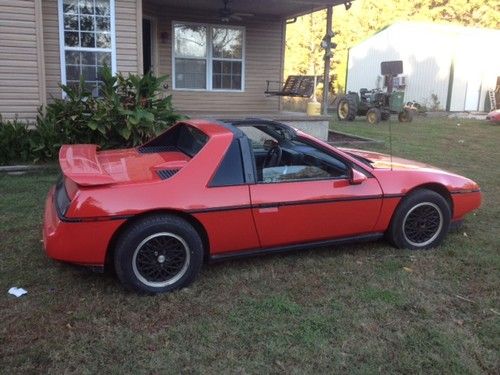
pixel 390 142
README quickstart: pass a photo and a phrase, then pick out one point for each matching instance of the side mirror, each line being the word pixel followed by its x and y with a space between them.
pixel 357 177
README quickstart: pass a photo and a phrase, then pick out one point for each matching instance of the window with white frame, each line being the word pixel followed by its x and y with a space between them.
pixel 208 57
pixel 86 30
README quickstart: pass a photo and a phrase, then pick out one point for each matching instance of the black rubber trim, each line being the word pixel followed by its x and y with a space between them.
pixel 289 203
pixel 318 201
pixel 66 219
pixel 394 196
pixel 220 209
pixel 465 191
pixel 302 246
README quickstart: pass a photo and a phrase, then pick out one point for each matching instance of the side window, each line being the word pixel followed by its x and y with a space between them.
pixel 257 137
pixel 230 171
pixel 301 161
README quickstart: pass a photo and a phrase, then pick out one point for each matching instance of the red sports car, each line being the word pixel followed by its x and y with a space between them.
pixel 494 116
pixel 210 190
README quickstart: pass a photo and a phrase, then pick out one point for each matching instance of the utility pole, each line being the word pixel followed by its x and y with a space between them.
pixel 327 45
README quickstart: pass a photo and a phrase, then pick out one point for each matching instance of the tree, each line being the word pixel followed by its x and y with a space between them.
pixel 369 16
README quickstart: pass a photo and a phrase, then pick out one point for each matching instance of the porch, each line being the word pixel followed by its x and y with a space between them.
pixel 218 55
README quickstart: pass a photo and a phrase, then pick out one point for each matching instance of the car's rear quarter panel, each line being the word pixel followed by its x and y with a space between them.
pixel 224 212
pixel 76 242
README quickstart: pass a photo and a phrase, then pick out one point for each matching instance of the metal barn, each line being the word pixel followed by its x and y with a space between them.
pixel 457 65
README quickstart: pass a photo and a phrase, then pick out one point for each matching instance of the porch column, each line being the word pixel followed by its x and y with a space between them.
pixel 328 51
pixel 140 62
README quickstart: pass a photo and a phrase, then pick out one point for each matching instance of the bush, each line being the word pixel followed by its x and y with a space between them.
pixel 128 112
pixel 14 142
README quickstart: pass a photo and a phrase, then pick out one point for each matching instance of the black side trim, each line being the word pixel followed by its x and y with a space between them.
pixel 303 246
pixel 465 191
pixel 318 201
pixel 220 209
pixel 289 203
pixel 394 195
pixel 66 219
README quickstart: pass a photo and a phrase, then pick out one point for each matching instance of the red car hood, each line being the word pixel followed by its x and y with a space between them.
pixel 87 167
pixel 383 161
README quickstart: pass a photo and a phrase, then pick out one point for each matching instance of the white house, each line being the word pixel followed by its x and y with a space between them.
pixel 456 64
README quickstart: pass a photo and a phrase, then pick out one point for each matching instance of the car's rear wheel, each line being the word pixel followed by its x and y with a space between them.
pixel 158 254
pixel 421 221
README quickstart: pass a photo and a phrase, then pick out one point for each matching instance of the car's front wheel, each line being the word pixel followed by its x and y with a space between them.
pixel 421 221
pixel 158 254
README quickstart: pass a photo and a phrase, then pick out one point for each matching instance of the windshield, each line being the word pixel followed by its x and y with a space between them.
pixel 360 158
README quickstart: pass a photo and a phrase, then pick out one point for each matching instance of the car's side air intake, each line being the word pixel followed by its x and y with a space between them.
pixel 154 149
pixel 167 173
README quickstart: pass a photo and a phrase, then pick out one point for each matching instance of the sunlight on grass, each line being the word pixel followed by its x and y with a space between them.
pixel 366 308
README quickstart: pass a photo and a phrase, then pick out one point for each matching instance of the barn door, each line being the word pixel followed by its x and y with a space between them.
pixel 472 93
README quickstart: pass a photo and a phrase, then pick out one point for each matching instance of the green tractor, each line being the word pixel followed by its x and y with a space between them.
pixel 377 104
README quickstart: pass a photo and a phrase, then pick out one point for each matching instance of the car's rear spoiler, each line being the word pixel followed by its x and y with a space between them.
pixel 80 164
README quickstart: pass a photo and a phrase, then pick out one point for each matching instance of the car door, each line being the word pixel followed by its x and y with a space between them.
pixel 310 197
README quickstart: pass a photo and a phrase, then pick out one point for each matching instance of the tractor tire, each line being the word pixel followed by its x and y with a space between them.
pixel 386 115
pixel 406 115
pixel 373 116
pixel 347 109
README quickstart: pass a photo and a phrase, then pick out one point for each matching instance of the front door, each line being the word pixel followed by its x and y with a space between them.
pixel 307 211
pixel 303 193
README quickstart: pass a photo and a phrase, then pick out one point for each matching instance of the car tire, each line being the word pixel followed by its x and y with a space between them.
pixel 385 116
pixel 421 221
pixel 158 254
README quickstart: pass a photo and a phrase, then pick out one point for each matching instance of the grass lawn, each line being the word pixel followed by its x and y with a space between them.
pixel 365 308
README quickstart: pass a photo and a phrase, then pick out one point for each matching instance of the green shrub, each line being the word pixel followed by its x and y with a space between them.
pixel 14 142
pixel 129 111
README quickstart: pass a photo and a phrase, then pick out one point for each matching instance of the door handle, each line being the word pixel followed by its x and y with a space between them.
pixel 266 210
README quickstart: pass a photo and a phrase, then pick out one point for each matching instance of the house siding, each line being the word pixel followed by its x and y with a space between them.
pixel 21 80
pixel 126 42
pixel 30 68
pixel 263 61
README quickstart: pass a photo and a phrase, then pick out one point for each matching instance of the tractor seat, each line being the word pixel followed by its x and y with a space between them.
pixel 363 92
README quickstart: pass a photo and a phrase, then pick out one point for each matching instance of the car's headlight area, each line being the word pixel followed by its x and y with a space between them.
pixel 62 200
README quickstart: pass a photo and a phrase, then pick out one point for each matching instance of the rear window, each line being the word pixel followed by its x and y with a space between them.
pixel 190 140
pixel 183 138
